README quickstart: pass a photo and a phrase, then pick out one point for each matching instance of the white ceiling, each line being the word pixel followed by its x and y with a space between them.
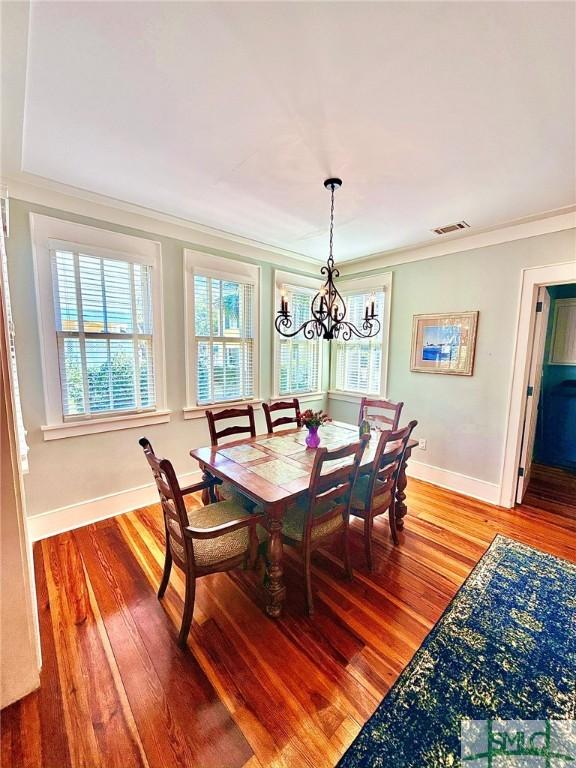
pixel 232 114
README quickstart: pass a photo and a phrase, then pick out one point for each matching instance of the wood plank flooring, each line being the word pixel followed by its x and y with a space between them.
pixel 552 488
pixel 250 692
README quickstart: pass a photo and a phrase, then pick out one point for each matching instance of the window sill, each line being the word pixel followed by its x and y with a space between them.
pixel 106 424
pixel 198 411
pixel 302 397
pixel 352 397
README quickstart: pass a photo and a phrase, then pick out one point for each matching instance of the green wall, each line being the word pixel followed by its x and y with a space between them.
pixel 71 470
pixel 462 418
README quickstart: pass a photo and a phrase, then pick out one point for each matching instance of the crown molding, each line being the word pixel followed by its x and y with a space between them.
pixel 531 226
pixel 39 191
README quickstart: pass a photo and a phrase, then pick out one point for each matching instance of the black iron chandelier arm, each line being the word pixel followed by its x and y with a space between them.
pixel 344 330
pixel 310 329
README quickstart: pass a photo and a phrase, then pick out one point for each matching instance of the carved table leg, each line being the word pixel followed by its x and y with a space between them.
pixel 400 507
pixel 275 588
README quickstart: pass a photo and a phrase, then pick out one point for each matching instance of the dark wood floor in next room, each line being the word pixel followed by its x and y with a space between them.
pixel 251 692
pixel 552 488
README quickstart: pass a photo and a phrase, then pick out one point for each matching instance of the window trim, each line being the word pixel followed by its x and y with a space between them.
pixel 207 265
pixel 49 233
pixel 294 280
pixel 381 281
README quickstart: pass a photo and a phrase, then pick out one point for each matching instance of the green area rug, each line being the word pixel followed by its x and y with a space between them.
pixel 504 649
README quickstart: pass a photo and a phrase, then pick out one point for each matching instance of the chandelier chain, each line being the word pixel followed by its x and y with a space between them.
pixel 331 257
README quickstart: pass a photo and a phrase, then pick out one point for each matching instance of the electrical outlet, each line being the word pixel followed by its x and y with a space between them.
pixel 422 443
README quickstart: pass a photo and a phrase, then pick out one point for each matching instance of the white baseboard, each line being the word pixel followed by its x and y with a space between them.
pixel 455 481
pixel 76 515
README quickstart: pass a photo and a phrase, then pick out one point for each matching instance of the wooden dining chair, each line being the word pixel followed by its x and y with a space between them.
pixel 391 411
pixel 227 415
pixel 292 405
pixel 323 514
pixel 375 493
pixel 216 537
pixel 226 490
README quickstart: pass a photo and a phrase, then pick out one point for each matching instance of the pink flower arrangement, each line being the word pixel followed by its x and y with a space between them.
pixel 312 418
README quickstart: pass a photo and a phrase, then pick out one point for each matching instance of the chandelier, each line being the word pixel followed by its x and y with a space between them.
pixel 328 308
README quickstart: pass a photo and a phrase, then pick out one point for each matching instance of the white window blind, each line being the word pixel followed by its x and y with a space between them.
pixel 298 363
pixel 224 319
pixel 104 328
pixel 357 364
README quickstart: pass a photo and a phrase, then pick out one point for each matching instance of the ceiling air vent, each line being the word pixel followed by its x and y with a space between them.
pixel 450 228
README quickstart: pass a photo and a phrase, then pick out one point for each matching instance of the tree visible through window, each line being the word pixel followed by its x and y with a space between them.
pixel 224 339
pixel 298 357
pixel 104 329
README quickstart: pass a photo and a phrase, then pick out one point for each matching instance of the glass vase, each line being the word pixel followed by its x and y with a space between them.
pixel 312 438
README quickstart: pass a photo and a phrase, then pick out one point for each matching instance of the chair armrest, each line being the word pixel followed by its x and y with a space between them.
pixel 201 486
pixel 221 530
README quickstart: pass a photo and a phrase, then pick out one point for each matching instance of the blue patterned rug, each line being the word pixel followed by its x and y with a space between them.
pixel 504 649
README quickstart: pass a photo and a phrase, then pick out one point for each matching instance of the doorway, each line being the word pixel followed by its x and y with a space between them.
pixel 537 297
pixel 552 479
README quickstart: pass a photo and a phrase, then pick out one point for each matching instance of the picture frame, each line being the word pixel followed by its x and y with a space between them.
pixel 444 343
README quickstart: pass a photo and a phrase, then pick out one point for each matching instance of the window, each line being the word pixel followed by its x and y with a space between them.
pixel 224 331
pixel 104 329
pixel 298 360
pixel 359 365
pixel 222 299
pixel 100 317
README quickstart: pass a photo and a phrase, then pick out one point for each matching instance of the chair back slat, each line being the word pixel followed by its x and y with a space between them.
pixel 173 506
pixel 384 411
pixel 285 405
pixel 226 415
pixel 388 460
pixel 331 476
pixel 334 486
pixel 335 491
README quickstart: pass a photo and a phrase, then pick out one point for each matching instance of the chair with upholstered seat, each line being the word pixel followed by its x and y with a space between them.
pixel 286 405
pixel 323 514
pixel 212 538
pixel 226 490
pixel 375 493
pixel 383 412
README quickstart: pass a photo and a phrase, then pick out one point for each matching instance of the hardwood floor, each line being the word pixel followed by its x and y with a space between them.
pixel 252 692
pixel 552 488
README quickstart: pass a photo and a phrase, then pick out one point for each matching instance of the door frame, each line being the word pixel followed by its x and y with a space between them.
pixel 532 279
pixel 533 392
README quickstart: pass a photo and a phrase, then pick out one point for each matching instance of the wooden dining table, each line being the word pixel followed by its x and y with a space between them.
pixel 273 470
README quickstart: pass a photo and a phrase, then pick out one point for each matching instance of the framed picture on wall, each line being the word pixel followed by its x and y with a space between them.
pixel 444 343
